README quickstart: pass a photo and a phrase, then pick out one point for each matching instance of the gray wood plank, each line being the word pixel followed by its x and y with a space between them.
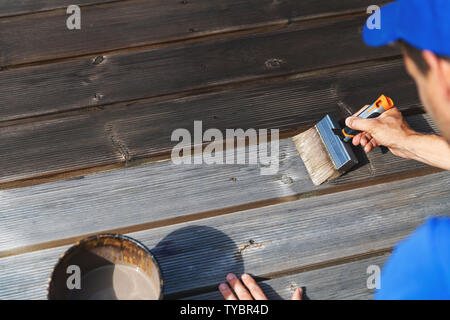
pixel 31 281
pixel 16 7
pixel 346 281
pixel 87 82
pixel 143 131
pixel 285 236
pixel 123 198
pixel 135 23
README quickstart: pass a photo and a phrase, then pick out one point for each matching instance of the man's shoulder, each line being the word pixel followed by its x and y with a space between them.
pixel 419 267
pixel 435 232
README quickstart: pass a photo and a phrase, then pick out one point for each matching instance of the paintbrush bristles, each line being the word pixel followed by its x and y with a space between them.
pixel 315 156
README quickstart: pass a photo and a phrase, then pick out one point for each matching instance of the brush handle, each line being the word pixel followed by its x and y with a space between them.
pixel 380 106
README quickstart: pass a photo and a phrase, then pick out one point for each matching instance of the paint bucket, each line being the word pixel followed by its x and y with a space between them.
pixel 106 267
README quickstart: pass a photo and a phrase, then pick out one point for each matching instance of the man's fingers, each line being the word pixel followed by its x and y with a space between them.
pixel 254 288
pixel 364 140
pixel 297 294
pixel 372 144
pixel 252 285
pixel 361 124
pixel 357 139
pixel 238 287
pixel 226 292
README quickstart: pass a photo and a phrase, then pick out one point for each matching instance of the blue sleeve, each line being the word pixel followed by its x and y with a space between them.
pixel 419 267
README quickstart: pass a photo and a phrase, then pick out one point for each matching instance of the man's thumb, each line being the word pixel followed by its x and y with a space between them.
pixel 359 124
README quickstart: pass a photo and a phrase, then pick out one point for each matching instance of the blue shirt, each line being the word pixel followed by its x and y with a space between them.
pixel 419 267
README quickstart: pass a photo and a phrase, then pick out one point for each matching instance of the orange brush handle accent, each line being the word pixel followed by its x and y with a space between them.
pixel 380 106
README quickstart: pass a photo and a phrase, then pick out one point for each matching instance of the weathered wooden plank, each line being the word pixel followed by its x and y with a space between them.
pixel 267 240
pixel 121 198
pixel 135 23
pixel 16 7
pixel 347 281
pixel 44 147
pixel 70 85
pixel 31 281
pixel 144 130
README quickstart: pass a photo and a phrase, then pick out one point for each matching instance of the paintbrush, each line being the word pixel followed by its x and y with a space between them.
pixel 325 148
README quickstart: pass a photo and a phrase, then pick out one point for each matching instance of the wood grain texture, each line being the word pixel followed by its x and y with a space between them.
pixel 135 23
pixel 32 279
pixel 71 85
pixel 29 156
pixel 144 130
pixel 17 7
pixel 347 281
pixel 267 240
pixel 123 198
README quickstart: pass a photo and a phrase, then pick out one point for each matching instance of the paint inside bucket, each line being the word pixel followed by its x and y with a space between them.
pixel 106 267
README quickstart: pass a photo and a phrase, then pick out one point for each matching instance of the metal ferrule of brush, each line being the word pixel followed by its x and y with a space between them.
pixel 373 111
pixel 341 153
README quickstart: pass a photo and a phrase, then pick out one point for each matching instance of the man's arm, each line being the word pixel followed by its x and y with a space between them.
pixel 430 149
pixel 391 130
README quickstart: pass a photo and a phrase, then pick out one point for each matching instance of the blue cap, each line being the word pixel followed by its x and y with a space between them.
pixel 425 24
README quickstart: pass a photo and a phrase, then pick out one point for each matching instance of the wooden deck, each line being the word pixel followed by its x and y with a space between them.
pixel 86 118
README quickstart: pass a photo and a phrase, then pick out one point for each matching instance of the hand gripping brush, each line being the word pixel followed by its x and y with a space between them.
pixel 325 148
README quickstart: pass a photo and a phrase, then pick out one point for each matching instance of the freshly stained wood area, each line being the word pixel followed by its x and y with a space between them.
pixel 20 7
pixel 134 23
pixel 148 73
pixel 97 137
pixel 86 119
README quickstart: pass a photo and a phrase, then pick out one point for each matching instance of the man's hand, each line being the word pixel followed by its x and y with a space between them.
pixel 389 130
pixel 248 289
